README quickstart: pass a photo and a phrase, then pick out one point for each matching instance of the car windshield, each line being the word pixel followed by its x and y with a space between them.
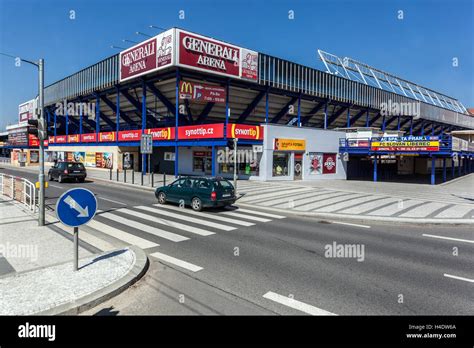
pixel 75 166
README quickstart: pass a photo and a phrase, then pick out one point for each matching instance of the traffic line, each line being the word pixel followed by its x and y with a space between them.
pixel 176 262
pixel 187 218
pixel 245 216
pixel 208 215
pixel 145 228
pixel 122 235
pixel 459 278
pixel 349 224
pixel 448 238
pixel 111 200
pixel 260 213
pixel 61 187
pixel 169 223
pixel 295 304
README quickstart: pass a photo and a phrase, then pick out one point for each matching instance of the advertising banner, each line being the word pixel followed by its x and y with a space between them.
pixel 34 156
pixel 26 111
pixel 459 144
pixel 61 156
pixel 51 139
pixel 129 135
pixel 88 138
pixel 145 57
pixel 74 138
pixel 89 159
pixel 315 163
pixel 204 131
pixel 280 144
pixel 79 156
pixel 249 64
pixel 33 140
pixel 106 136
pixel 69 156
pixel 243 131
pixel 201 92
pixel 410 143
pixel 329 163
pixel 103 160
pixel 60 139
pixel 18 137
pixel 161 133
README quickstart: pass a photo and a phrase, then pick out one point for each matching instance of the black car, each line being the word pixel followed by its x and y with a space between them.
pixel 199 192
pixel 67 170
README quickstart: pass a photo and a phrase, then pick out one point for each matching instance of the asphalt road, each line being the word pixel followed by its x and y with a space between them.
pixel 280 266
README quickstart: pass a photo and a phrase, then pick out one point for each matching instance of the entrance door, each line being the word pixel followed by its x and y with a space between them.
pixel 298 170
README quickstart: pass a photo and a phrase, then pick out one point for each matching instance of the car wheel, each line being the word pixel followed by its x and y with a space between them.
pixel 60 179
pixel 162 198
pixel 50 177
pixel 196 204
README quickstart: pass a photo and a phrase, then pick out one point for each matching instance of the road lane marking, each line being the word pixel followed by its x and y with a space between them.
pixel 189 218
pixel 459 278
pixel 145 228
pixel 176 262
pixel 122 235
pixel 206 215
pixel 295 304
pixel 111 200
pixel 349 224
pixel 448 238
pixel 169 223
pixel 245 216
pixel 61 187
pixel 260 213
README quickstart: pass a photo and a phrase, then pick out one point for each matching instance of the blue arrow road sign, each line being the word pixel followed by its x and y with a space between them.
pixel 76 207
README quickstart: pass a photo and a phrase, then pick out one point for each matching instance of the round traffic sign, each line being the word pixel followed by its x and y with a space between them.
pixel 76 207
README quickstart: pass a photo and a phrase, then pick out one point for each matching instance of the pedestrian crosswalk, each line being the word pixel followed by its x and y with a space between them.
pixel 151 227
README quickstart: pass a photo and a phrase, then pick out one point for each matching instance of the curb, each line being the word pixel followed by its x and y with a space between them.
pixel 366 219
pixel 104 294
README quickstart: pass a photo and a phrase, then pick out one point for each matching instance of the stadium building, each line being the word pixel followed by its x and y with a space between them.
pixel 195 94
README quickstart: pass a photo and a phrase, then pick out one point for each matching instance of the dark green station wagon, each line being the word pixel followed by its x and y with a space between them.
pixel 198 192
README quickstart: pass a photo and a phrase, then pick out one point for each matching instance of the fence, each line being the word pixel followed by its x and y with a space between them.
pixel 18 189
pixel 129 176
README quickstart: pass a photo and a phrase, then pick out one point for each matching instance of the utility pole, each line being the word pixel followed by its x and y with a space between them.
pixel 42 135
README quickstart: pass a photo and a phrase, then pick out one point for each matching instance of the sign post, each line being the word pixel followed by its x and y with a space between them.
pixel 146 148
pixel 76 207
pixel 235 163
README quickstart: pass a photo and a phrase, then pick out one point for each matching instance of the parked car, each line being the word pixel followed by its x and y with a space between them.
pixel 198 192
pixel 67 170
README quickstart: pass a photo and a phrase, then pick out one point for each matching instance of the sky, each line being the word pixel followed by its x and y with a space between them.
pixel 420 47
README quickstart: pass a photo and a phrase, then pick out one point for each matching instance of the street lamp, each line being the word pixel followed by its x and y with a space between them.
pixel 140 33
pixel 42 133
pixel 117 47
pixel 155 27
pixel 125 40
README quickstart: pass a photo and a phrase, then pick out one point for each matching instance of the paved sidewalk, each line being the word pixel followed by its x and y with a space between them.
pixel 36 270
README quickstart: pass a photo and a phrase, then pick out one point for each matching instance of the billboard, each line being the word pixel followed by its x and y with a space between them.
pixel 129 135
pixel 243 131
pixel 329 163
pixel 153 54
pixel 161 133
pixel 409 143
pixel 18 136
pixel 202 53
pixel 89 159
pixel 88 138
pixel 26 111
pixel 205 131
pixel 104 160
pixel 106 136
pixel 315 163
pixel 201 92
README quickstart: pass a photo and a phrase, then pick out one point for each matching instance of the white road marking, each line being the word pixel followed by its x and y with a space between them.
pixel 207 215
pixel 260 213
pixel 177 262
pixel 349 224
pixel 145 228
pixel 169 223
pixel 245 216
pixel 122 235
pixel 298 305
pixel 56 186
pixel 448 238
pixel 111 200
pixel 189 218
pixel 459 278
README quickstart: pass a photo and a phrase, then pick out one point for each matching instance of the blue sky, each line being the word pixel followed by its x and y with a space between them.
pixel 419 48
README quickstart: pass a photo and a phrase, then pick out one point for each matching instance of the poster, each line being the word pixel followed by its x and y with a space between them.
pixel 315 163
pixel 70 156
pixel 104 160
pixel 329 163
pixel 89 159
pixel 34 156
pixel 61 155
pixel 79 156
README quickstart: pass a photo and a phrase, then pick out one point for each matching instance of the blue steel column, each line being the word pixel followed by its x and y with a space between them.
pixel 55 124
pixel 177 124
pixel 97 117
pixel 459 165
pixel 444 169
pixel 49 118
pixel 375 167
pixel 213 170
pixel 423 128
pixel 117 110
pixel 398 124
pixel 226 108
pixel 326 115
pixel 266 106
pixel 67 123
pixel 299 110
pixel 411 126
pixel 433 161
pixel 144 169
pixel 452 167
pixel 348 117
pixel 80 122
pixel 383 123
pixel 367 119
pixel 432 128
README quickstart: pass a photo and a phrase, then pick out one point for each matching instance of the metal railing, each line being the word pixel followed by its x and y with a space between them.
pixel 19 189
pixel 5 160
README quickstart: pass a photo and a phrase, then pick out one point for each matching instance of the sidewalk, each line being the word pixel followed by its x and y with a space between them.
pixel 36 271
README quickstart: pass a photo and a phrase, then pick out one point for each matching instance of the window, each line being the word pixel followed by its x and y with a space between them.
pixel 223 184
pixel 281 162
pixel 203 184
pixel 178 183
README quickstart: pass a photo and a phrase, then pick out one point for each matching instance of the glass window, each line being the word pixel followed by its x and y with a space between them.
pixel 188 183
pixel 204 184
pixel 223 184
pixel 281 162
pixel 178 183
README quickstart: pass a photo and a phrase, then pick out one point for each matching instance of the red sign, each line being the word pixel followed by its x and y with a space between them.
pixel 329 163
pixel 204 131
pixel 60 139
pixel 106 136
pixel 243 131
pixel 88 138
pixel 129 135
pixel 201 92
pixel 74 138
pixel 33 141
pixel 161 133
pixel 138 60
pixel 249 64
pixel 46 142
pixel 209 55
pixel 51 139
